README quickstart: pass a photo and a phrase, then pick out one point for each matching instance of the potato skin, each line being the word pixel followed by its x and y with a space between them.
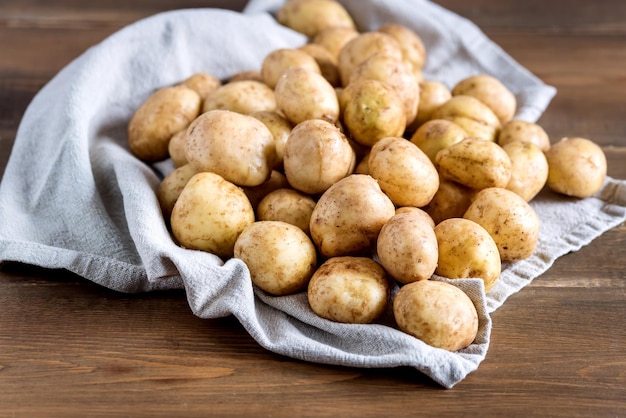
pixel 287 205
pixel 411 45
pixel 309 17
pixel 523 131
pixel 280 128
pixel 491 92
pixel 437 134
pixel 333 39
pixel 172 186
pixel 176 148
pixel 451 201
pixel 243 97
pixel 280 60
pixel 529 169
pixel 475 117
pixel 203 83
pixel 363 46
pixel 432 95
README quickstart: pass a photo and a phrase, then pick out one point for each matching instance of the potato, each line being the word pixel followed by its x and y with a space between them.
pixel 491 92
pixel 577 167
pixel 475 117
pixel 176 148
pixel 171 187
pixel 363 167
pixel 372 110
pixel 238 147
pixel 349 216
pixel 309 17
pixel 529 169
pixel 253 75
pixel 302 94
pixel 403 172
pixel 287 205
pixel 280 257
pixel 438 313
pixel 475 163
pixel 280 60
pixel 164 113
pixel 243 97
pixel 411 45
pixel 203 83
pixel 417 212
pixel 326 61
pixel 451 201
pixel 407 247
pixel 280 128
pixel 276 181
pixel 520 130
pixel 509 219
pixel 437 134
pixel 317 155
pixel 467 250
pixel 333 39
pixel 349 290
pixel 432 95
pixel 209 215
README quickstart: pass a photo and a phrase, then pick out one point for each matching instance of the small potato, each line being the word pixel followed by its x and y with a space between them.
pixel 281 258
pixel 529 169
pixel 252 75
pixel 333 39
pixel 209 215
pixel 577 167
pixel 437 313
pixel 467 250
pixel 239 148
pixel 276 181
pixel 176 148
pixel 475 163
pixel 407 247
pixel 475 117
pixel 451 201
pixel 309 17
pixel 317 155
pixel 413 50
pixel 417 212
pixel 203 83
pixel 349 216
pixel 432 95
pixel 522 131
pixel 280 60
pixel 243 97
pixel 302 95
pixel 349 290
pixel 171 187
pixel 509 219
pixel 287 205
pixel 403 172
pixel 326 62
pixel 280 128
pixel 164 113
pixel 437 134
pixel 491 92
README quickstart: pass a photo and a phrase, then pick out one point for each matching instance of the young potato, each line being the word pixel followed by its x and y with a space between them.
pixel 509 219
pixel 437 134
pixel 577 167
pixel 280 60
pixel 491 92
pixel 171 187
pixel 403 172
pixel 407 247
pixel 475 117
pixel 302 94
pixel 309 17
pixel 451 201
pixel 438 313
pixel 176 148
pixel 276 181
pixel 317 155
pixel 239 148
pixel 349 216
pixel 203 83
pixel 467 250
pixel 287 205
pixel 333 39
pixel 522 131
pixel 164 113
pixel 243 97
pixel 432 95
pixel 280 128
pixel 209 215
pixel 475 163
pixel 372 110
pixel 252 75
pixel 529 169
pixel 413 50
pixel 350 290
pixel 425 217
pixel 326 62
pixel 280 257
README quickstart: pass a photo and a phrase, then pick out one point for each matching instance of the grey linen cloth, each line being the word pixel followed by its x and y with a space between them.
pixel 73 197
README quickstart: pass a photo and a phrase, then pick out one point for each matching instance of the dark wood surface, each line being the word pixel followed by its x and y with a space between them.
pixel 558 347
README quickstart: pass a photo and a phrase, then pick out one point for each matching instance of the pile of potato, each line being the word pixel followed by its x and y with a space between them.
pixel 337 169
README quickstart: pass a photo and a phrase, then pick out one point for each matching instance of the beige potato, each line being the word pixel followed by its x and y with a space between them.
pixel 529 169
pixel 171 187
pixel 349 215
pixel 437 313
pixel 238 147
pixel 333 39
pixel 407 247
pixel 176 148
pixel 280 257
pixel 317 155
pixel 277 62
pixel 276 181
pixel 280 128
pixel 413 50
pixel 243 97
pixel 326 61
pixel 475 163
pixel 522 131
pixel 252 75
pixel 432 95
pixel 475 117
pixel 349 290
pixel 309 17
pixel 509 219
pixel 491 92
pixel 209 215
pixel 467 250
pixel 451 201
pixel 403 172
pixel 417 212
pixel 287 205
pixel 437 134
pixel 203 83
pixel 577 167
pixel 164 113
pixel 302 95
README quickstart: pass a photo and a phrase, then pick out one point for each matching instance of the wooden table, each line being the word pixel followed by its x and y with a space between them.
pixel 69 347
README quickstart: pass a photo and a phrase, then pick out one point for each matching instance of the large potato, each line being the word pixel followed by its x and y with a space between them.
pixel 509 219
pixel 403 172
pixel 238 147
pixel 209 215
pixel 523 131
pixel 287 205
pixel 437 313
pixel 280 257
pixel 349 290
pixel 349 215
pixel 164 113
pixel 437 134
pixel 467 250
pixel 451 201
pixel 413 50
pixel 242 97
pixel 309 17
pixel 475 117
pixel 280 60
pixel 529 169
pixel 491 92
